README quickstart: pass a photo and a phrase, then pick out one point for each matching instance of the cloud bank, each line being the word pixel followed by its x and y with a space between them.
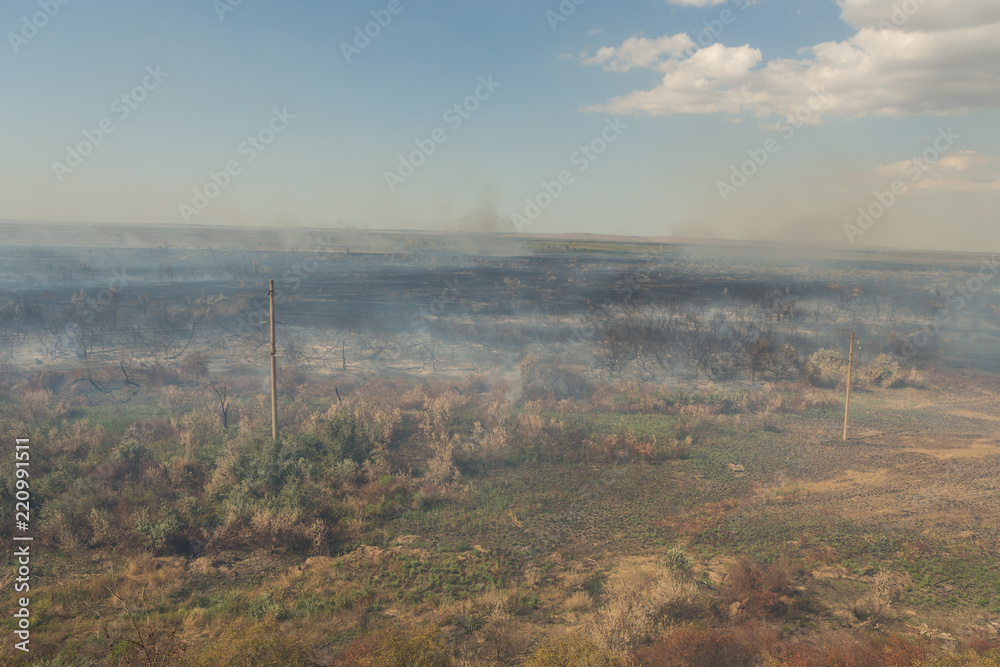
pixel 907 57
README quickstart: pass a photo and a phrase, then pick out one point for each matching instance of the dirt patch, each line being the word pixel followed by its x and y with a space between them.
pixel 970 414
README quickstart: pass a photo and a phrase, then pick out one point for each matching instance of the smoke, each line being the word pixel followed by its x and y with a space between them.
pixel 484 218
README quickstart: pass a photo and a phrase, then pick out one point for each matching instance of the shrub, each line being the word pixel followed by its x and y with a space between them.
pixel 709 647
pixel 155 374
pixel 677 561
pixel 637 599
pixel 892 651
pixel 990 659
pixel 359 430
pixel 579 601
pixel 78 440
pixel 761 590
pixel 876 604
pixel 156 532
pixel 982 646
pixel 883 372
pixel 441 466
pixel 398 647
pixel 676 449
pixel 257 645
pixel 627 446
pixel 825 368
pixel 915 378
pixel 195 365
pixel 571 651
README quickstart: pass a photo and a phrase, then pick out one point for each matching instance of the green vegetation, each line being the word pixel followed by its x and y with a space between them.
pixel 452 522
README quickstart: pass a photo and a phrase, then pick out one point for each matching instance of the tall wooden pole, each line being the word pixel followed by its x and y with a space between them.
pixel 274 371
pixel 847 403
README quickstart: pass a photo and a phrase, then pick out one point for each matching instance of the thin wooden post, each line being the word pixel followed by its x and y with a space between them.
pixel 847 403
pixel 274 370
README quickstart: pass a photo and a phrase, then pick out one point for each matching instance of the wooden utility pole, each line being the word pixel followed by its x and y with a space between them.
pixel 847 403
pixel 274 371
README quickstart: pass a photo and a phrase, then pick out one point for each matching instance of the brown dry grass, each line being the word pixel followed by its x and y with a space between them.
pixel 638 598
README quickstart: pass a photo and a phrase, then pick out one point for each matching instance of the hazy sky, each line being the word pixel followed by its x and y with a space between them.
pixel 734 119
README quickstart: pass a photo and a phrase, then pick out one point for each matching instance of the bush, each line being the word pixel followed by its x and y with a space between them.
pixel 258 645
pixel 638 598
pixel 156 532
pixel 677 561
pixel 892 651
pixel 760 590
pixel 571 651
pixel 990 659
pixel 359 430
pixel 195 366
pixel 627 446
pixel 882 371
pixel 708 647
pixel 398 647
pixel 876 604
pixel 826 368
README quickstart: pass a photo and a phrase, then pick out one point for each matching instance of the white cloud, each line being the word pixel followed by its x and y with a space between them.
pixel 882 71
pixel 958 171
pixel 639 52
pixel 927 15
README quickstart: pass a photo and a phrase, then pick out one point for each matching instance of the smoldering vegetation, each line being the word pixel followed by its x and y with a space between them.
pixel 591 311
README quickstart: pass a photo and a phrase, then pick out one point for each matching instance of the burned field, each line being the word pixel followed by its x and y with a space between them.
pixel 495 450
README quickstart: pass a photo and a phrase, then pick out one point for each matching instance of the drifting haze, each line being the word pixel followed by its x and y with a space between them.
pixel 701 87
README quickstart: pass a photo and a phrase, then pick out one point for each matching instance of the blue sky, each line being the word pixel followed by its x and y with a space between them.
pixel 692 104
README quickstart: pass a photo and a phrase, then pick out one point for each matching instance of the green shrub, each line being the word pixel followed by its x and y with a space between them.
pixel 156 532
pixel 677 561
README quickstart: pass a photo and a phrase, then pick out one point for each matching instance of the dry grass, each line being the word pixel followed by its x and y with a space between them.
pixel 638 599
pixel 572 651
pixel 579 602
